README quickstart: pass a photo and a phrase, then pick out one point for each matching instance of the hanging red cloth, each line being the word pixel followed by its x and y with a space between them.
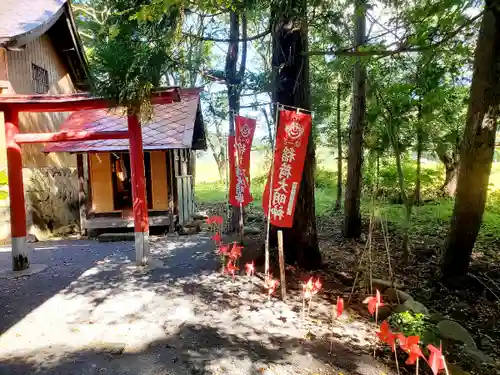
pixel 239 148
pixel 289 156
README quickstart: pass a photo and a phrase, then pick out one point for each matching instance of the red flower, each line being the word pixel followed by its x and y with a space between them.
pixel 311 287
pixel 231 268
pixel 340 306
pixel 209 220
pixel 386 336
pixel 271 284
pixel 217 219
pixel 250 269
pixel 217 238
pixel 410 346
pixel 317 286
pixel 436 359
pixel 374 303
pixel 235 251
pixel 223 249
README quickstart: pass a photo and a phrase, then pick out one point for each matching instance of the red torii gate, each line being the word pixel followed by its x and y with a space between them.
pixel 12 105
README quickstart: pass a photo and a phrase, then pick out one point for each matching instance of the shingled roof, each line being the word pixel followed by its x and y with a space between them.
pixel 175 125
pixel 22 21
pixel 22 17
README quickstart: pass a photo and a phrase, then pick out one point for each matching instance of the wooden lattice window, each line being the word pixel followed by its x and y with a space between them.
pixel 40 78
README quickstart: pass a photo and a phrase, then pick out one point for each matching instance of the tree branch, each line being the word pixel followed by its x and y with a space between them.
pixel 355 52
pixel 222 40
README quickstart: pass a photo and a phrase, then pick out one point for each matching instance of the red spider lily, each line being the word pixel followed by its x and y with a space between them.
pixel 410 346
pixel 317 286
pixel 387 336
pixel 231 268
pixel 235 251
pixel 217 219
pixel 311 287
pixel 210 220
pixel 223 249
pixel 217 238
pixel 250 269
pixel 271 284
pixel 307 288
pixel 374 303
pixel 436 359
pixel 340 306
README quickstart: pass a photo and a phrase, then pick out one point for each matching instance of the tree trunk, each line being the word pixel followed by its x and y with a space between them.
pixel 292 87
pixel 401 179
pixel 417 198
pixel 339 154
pixel 449 187
pixel 352 217
pixel 451 164
pixel 476 151
pixel 233 82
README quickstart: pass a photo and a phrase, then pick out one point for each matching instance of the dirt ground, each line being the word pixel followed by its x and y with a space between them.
pixel 89 312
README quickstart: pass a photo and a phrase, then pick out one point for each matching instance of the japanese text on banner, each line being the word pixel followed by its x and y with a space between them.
pixel 291 148
pixel 239 148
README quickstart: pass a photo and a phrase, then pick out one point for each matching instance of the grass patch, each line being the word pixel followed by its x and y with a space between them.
pixel 430 219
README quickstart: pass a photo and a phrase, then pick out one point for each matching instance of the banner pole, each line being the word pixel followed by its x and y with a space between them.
pixel 266 267
pixel 227 185
pixel 237 151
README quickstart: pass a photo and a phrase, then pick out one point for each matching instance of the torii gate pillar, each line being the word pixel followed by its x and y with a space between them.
pixel 20 258
pixel 141 224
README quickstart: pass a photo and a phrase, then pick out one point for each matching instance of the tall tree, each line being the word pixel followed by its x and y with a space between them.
pixel 339 153
pixel 234 79
pixel 352 217
pixel 292 87
pixel 476 153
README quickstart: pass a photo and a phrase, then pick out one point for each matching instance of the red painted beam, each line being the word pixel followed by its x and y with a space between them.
pixel 70 103
pixel 68 136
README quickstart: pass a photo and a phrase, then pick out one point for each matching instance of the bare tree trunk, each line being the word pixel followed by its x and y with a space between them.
pixel 451 164
pixel 234 79
pixel 339 154
pixel 417 197
pixel 401 179
pixel 352 216
pixel 292 87
pixel 449 187
pixel 269 124
pixel 476 151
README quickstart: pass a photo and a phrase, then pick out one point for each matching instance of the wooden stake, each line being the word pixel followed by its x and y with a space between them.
pixel 282 264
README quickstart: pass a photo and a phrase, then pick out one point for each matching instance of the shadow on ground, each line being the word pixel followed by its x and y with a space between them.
pixel 104 317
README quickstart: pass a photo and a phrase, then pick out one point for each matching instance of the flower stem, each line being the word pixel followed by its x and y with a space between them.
pixel 396 357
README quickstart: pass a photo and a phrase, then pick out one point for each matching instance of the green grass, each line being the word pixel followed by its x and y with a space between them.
pixel 430 219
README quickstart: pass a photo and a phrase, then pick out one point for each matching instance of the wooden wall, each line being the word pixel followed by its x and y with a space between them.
pixel 101 182
pixel 159 180
pixel 19 70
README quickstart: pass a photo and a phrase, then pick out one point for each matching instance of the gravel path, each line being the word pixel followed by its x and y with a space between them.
pixel 91 313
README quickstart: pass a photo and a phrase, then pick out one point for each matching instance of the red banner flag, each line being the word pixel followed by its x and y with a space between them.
pixel 289 156
pixel 239 148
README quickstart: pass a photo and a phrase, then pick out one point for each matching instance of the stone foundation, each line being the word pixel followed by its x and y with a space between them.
pixel 51 198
